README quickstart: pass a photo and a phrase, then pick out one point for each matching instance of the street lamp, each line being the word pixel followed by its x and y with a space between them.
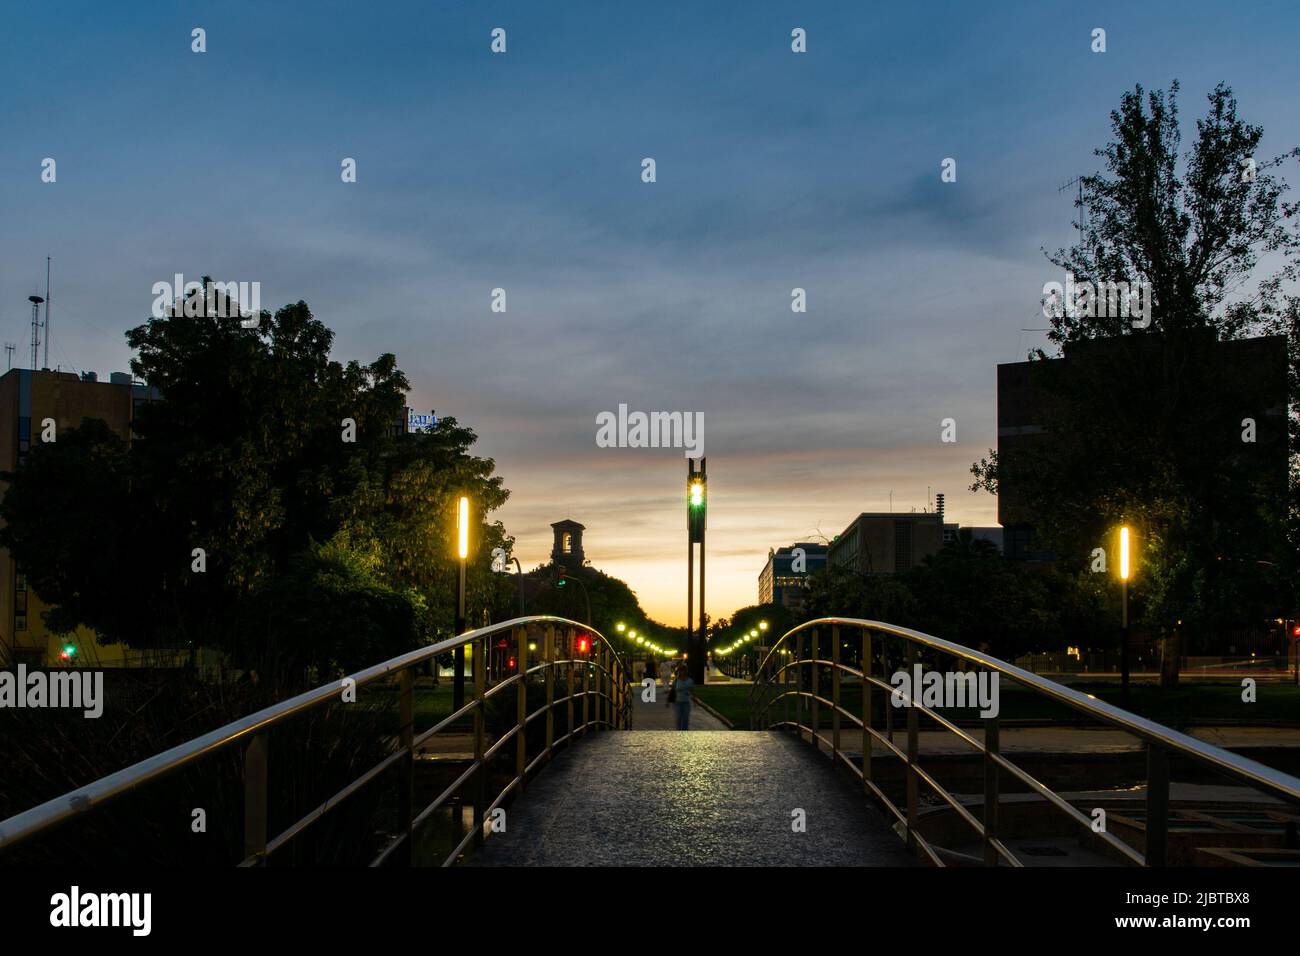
pixel 561 579
pixel 462 552
pixel 1123 578
pixel 519 580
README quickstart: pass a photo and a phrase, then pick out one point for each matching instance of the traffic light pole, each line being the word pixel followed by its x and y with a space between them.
pixel 690 593
pixel 698 662
pixel 696 519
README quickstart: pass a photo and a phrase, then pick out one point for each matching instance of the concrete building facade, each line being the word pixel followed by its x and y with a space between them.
pixel 30 402
pixel 884 543
pixel 784 577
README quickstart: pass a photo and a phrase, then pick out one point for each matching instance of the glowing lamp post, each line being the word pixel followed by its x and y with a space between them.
pixel 1124 569
pixel 462 552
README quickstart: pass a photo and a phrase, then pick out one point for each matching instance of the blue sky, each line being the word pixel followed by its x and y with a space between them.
pixel 522 171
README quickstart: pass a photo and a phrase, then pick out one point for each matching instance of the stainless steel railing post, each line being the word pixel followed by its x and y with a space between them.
pixel 913 728
pixel 866 708
pixel 406 775
pixel 814 720
pixel 992 795
pixel 602 679
pixel 521 707
pixel 548 656
pixel 479 664
pixel 568 669
pixel 255 773
pixel 835 691
pixel 1157 805
pixel 800 700
pixel 586 690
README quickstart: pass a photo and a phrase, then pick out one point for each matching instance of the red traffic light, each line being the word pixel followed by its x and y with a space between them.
pixel 584 644
pixel 510 663
pixel 1295 631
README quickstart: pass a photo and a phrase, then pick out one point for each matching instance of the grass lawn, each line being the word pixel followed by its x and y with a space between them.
pixel 1183 706
pixel 431 704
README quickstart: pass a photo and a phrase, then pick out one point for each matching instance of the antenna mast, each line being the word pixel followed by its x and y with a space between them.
pixel 46 363
pixel 36 301
pixel 1076 181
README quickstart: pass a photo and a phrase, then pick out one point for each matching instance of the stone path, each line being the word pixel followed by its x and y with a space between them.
pixel 667 798
pixel 662 716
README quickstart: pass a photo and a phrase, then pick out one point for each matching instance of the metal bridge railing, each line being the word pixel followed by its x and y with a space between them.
pixel 595 689
pixel 789 676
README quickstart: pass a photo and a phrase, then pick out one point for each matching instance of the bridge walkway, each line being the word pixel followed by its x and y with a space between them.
pixel 668 798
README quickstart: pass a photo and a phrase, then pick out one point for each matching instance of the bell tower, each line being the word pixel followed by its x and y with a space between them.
pixel 567 547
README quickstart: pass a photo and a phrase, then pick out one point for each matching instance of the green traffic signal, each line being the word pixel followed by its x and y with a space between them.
pixel 696 507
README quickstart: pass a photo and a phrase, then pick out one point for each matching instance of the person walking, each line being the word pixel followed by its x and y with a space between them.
pixel 680 695
pixel 652 669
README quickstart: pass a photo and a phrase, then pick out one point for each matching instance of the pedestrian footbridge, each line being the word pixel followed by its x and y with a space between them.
pixel 554 759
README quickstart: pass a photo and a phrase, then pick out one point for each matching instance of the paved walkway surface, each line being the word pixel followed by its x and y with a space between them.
pixel 668 798
pixel 663 716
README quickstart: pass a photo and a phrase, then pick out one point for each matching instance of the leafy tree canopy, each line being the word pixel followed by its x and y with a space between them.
pixel 1144 424
pixel 326 530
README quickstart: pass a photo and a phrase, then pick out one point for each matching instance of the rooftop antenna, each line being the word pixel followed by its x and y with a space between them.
pixel 1076 181
pixel 46 363
pixel 9 353
pixel 36 301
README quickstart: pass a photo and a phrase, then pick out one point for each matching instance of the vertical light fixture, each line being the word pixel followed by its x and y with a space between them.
pixel 462 552
pixel 462 525
pixel 1124 570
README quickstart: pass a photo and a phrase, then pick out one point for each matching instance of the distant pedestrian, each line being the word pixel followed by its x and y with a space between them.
pixel 680 695
pixel 652 669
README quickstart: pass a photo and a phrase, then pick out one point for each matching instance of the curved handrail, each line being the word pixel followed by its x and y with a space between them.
pixel 83 799
pixel 1161 740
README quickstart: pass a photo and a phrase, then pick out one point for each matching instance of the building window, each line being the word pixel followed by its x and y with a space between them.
pixel 24 438
pixel 902 545
pixel 20 600
pixel 566 543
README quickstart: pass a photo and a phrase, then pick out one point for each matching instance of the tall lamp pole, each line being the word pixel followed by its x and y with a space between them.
pixel 559 582
pixel 697 506
pixel 462 551
pixel 519 579
pixel 1123 641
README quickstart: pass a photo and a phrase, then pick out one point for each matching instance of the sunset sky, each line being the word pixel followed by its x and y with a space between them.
pixel 523 171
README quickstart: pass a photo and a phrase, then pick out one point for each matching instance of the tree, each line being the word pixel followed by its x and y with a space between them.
pixel 612 602
pixel 1144 421
pixel 273 504
pixel 836 590
pixel 969 594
